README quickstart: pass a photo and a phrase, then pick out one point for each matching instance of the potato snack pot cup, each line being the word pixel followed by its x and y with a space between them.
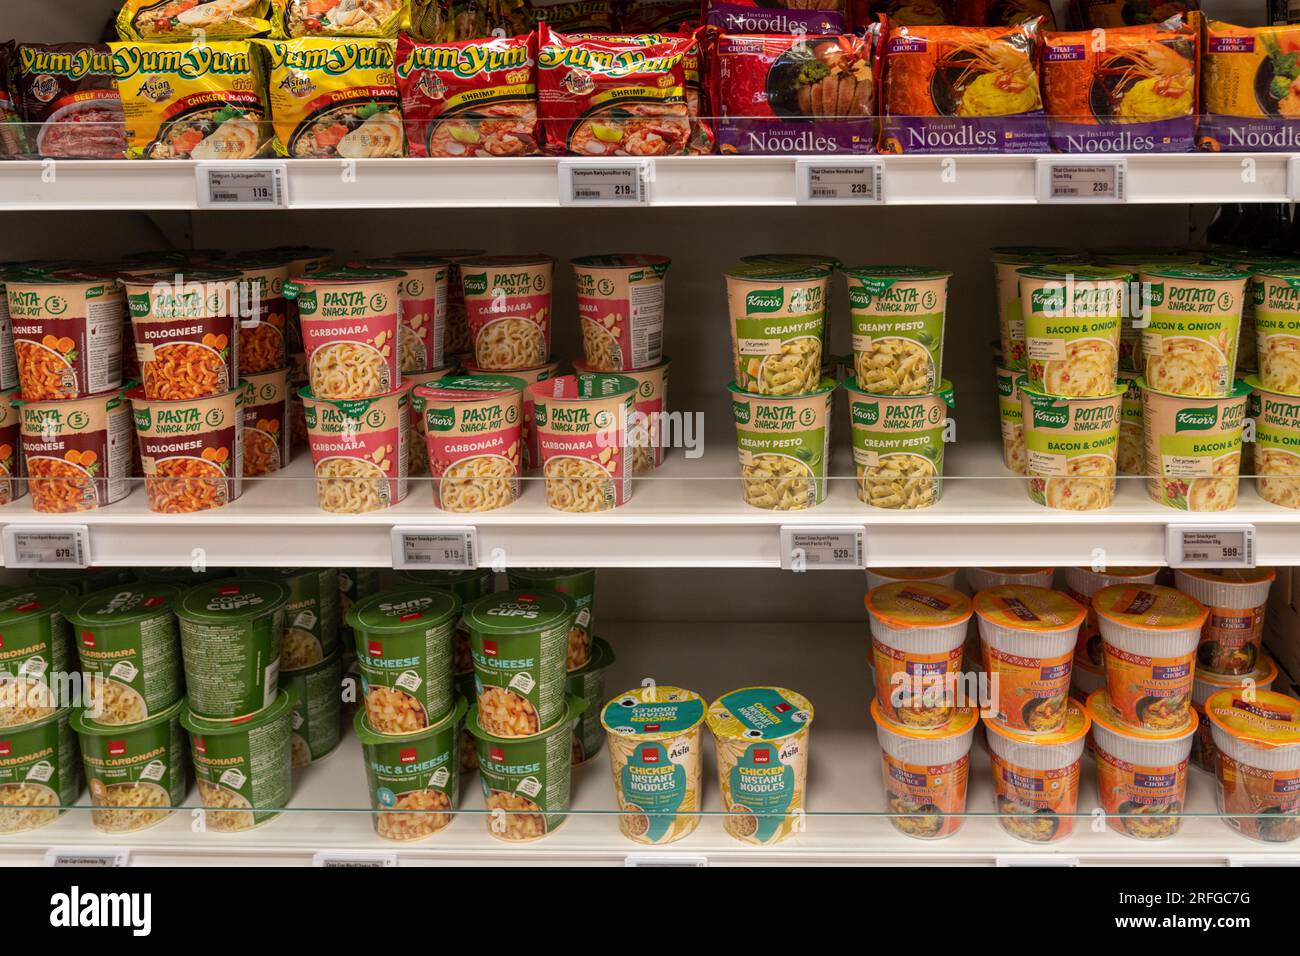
pixel 1258 739
pixel 1193 447
pixel 1189 345
pixel 1007 261
pixel 1072 447
pixel 925 772
pixel 1276 458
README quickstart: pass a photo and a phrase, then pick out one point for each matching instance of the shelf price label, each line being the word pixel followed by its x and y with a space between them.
pixel 103 857
pixel 46 546
pixel 605 182
pixel 814 548
pixel 435 549
pixel 1210 546
pixel 1040 859
pixel 839 182
pixel 1101 179
pixel 665 859
pixel 243 185
pixel 354 859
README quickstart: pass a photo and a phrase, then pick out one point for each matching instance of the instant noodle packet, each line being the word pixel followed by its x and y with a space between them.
pixel 997 13
pixel 910 13
pixel 573 16
pixel 1105 14
pixel 291 19
pixel 67 94
pixel 1250 88
pixel 740 16
pixel 174 21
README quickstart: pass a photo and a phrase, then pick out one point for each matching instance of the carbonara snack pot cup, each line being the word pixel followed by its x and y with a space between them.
pixel 231 634
pixel 37 646
pixel 588 683
pixel 243 766
pixel 1189 345
pixel 414 779
pixel 13 467
pixel 130 651
pixel 580 585
pixel 78 452
pixel 784 447
pixel 312 616
pixel 1206 685
pixel 917 632
pixel 655 751
pixel 41 769
pixel 1071 447
pixel 456 338
pixel 422 295
pixel 351 330
pixel 778 313
pixel 469 586
pixel 526 781
pixel 1193 448
pixel 898 446
pixel 1007 261
pixel 1141 774
pixel 1036 776
pixel 65 333
pixel 417 458
pixel 621 310
pixel 584 437
pixel 532 455
pixel 1081 584
pixel 317 709
pixel 1028 636
pixel 1258 739
pixel 1011 418
pixel 404 651
pixel 1072 316
pixel 897 315
pixel 761 737
pixel 1149 636
pixel 944 577
pixel 1277 444
pixel 359 449
pixel 508 310
pixel 519 640
pixel 266 427
pixel 136 774
pixel 191 450
pixel 473 426
pixel 925 772
pixel 651 404
pixel 1232 640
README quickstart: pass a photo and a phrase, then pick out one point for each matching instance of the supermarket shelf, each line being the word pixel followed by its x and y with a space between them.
pixel 678 181
pixel 688 515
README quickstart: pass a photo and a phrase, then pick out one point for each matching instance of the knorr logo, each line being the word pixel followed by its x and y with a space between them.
pixel 440 419
pixel 475 284
pixel 741 411
pixel 764 300
pixel 143 419
pixel 1047 300
pixel 1195 419
pixel 866 413
pixel 1154 294
pixel 1055 416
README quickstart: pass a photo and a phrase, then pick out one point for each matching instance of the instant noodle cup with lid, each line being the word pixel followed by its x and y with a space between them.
pixel 806 260
pixel 263 327
pixel 978 579
pixel 1149 635
pixel 359 449
pixel 403 641
pixel 925 772
pixel 1273 299
pixel 655 752
pixel 1277 445
pixel 78 452
pixel 456 338
pixel 41 773
pixel 584 439
pixel 778 311
pixel 532 455
pixel 898 446
pixel 136 774
pixel 37 648
pixel 917 632
pixel 1036 776
pixel 231 634
pixel 588 683
pixel 577 583
pixel 417 458
pixel 1189 344
pixel 350 321
pixel 1028 636
pixel 1071 447
pixel 1081 584
pixel 519 640
pixel 312 615
pixel 761 738
pixel 316 722
pixel 645 429
pixel 1193 448
pixel 1072 317
pixel 508 309
pixel 13 467
pixel 242 766
pixel 1141 773
pixel 1131 457
pixel 191 450
pixel 414 779
pixel 266 431
pixel 469 586
pixel 1007 261
pixel 1011 418
pixel 784 447
pixel 1257 735
pixel 621 310
pixel 1232 640
pixel 422 295
pixel 944 577
pixel 1205 686
pixel 473 426
pixel 897 315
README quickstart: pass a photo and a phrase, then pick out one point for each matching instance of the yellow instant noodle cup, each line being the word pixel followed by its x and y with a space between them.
pixel 925 773
pixel 1258 768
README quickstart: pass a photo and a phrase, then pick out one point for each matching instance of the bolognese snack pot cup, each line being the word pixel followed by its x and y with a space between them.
pixel 1276 447
pixel 784 447
pixel 191 450
pixel 404 651
pixel 13 467
pixel 316 721
pixel 1258 767
pixel 897 315
pixel 1071 445
pixel 508 309
pixel 417 459
pixel 1081 584
pixel 137 774
pixel 1072 316
pixel 588 683
pixel 414 779
pixel 925 771
pixel 1149 634
pixel 263 335
pixel 422 294
pixel 1193 448
pixel 898 446
pixel 242 766
pixel 1189 344
pixel 655 751
pixel 468 586
pixel 1011 419
pixel 312 617
pixel 778 314
pixel 1206 685
pixel 1007 262
pixel 1232 640
pixel 37 648
pixel 359 449
pixel 621 310
pixel 266 429
pixel 41 774
pixel 584 439
pixel 651 405
pixel 473 428
pixel 351 330
pixel 231 634
pixel 580 585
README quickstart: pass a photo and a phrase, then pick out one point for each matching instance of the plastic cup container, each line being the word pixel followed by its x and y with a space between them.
pixel 978 579
pixel 944 577
pixel 1193 447
pixel 1081 584
pixel 926 772
pixel 1232 640
pixel 1071 448
pixel 41 773
pixel 317 709
pixel 1084 679
pixel 1259 763
pixel 588 683
pixel 1206 685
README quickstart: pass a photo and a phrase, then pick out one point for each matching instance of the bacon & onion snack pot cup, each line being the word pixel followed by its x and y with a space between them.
pixel 778 314
pixel 784 447
pixel 1189 344
pixel 1011 419
pixel 1193 448
pixel 1072 316
pixel 191 450
pixel 37 648
pixel 315 723
pixel 621 310
pixel 1232 640
pixel 1258 739
pixel 78 452
pixel 1273 301
pixel 897 315
pixel 473 427
pixel 1205 686
pixel 588 683
pixel 13 466
pixel 508 309
pixel 925 771
pixel 1081 584
pixel 422 294
pixel 1277 445
pixel 359 449
pixel 651 405
pixel 41 774
pixel 584 440
pixel 1131 456
pixel 1007 261
pixel 350 321
pixel 265 428
pixel 1071 447
pixel 66 333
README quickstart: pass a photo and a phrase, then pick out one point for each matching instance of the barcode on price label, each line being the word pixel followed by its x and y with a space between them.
pixel 46 546
pixel 1099 180
pixel 438 549
pixel 1214 546
pixel 606 182
pixel 828 181
pixel 242 186
pixel 822 549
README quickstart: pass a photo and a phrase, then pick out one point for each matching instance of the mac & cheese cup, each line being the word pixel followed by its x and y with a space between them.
pixel 1232 640
pixel 944 577
pixel 1189 346
pixel 761 737
pixel 1028 636
pixel 532 456
pixel 1081 584
pixel 1277 445
pixel 577 583
pixel 37 648
pixel 784 446
pixel 651 404
pixel 469 586
pixel 191 450
pixel 584 440
pixel 414 779
pixel 359 449
pixel 1193 448
pixel 1258 768
pixel 897 315
pixel 351 330
pixel 473 427
pixel 1149 635
pixel 508 310
pixel 778 313
pixel 312 617
pixel 621 310
pixel 41 773
pixel 1007 261
pixel 1011 418
pixel 925 771
pixel 1072 316
pixel 422 295
pixel 1132 456
pixel 917 632
pixel 65 333
pixel 898 446
pixel 588 683
pixel 1036 776
pixel 317 709
pixel 1071 446
pixel 655 752
pixel 1205 686
pixel 78 452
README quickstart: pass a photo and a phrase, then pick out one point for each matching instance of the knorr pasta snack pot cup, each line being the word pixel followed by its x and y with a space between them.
pixel 78 452
pixel 621 310
pixel 898 446
pixel 191 450
pixel 897 315
pixel 473 426
pixel 1277 444
pixel 1081 584
pixel 945 577
pixel 1193 448
pixel 917 632
pixel 1149 636
pixel 350 320
pixel 1233 636
pixel 577 583
pixel 41 773
pixel 584 440
pixel 265 427
pixel 422 295
pixel 1204 753
pixel 1258 768
pixel 778 311
pixel 508 309
pixel 1007 261
pixel 1189 345
pixel 532 455
pixel 651 403
pixel 359 449
pixel 655 752
pixel 1071 446
pixel 137 773
pixel 1036 776
pixel 1028 636
pixel 761 737
pixel 1072 317
pixel 65 333
pixel 784 446
pixel 925 772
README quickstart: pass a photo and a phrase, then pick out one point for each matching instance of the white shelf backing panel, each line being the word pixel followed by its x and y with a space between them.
pixel 678 181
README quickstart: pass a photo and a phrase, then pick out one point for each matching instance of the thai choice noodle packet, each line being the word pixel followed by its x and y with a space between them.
pixel 1003 13
pixel 826 17
pixel 1250 88
pixel 1106 14
pixel 910 13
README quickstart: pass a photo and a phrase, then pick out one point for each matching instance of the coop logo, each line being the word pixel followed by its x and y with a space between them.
pixel 77 910
pixel 408 755
pixel 762 756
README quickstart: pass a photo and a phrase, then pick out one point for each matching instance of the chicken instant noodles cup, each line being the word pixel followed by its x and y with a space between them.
pixel 78 452
pixel 1258 768
pixel 897 315
pixel 1149 635
pixel 1081 584
pixel 1232 640
pixel 1206 685
pixel 265 427
pixel 351 330
pixel 1007 262
pixel 778 311
pixel 508 310
pixel 422 295
pixel 1189 344
pixel 925 772
pixel 474 440
pixel 1072 317
pixel 1011 419
pixel 784 447
pixel 621 310
pixel 898 446
pixel 65 332
pixel 1277 444
pixel 359 449
pixel 584 439
pixel 1193 447
pixel 191 450
pixel 1071 445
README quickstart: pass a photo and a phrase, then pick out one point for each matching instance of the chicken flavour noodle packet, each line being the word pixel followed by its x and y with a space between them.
pixel 68 95
pixel 1250 88
pixel 338 18
pixel 172 21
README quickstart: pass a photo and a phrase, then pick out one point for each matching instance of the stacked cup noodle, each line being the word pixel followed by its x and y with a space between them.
pixel 1273 299
pixel 311 660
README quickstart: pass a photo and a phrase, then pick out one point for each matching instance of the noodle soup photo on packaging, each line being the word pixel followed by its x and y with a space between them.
pixel 359 449
pixel 474 438
pixel 778 317
pixel 1193 447
pixel 621 310
pixel 1071 446
pixel 784 447
pixel 191 451
pixel 584 440
pixel 898 446
pixel 350 321
pixel 508 310
pixel 78 452
pixel 897 315
pixel 925 772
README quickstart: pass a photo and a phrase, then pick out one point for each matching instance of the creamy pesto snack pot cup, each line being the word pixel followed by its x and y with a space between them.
pixel 1189 344
pixel 1193 447
pixel 37 647
pixel 806 260
pixel 898 446
pixel 40 768
pixel 588 683
pixel 1277 444
pixel 784 446
pixel 311 615
pixel 778 312
pixel 577 583
pixel 1072 316
pixel 1071 446
pixel 897 315
pixel 315 723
